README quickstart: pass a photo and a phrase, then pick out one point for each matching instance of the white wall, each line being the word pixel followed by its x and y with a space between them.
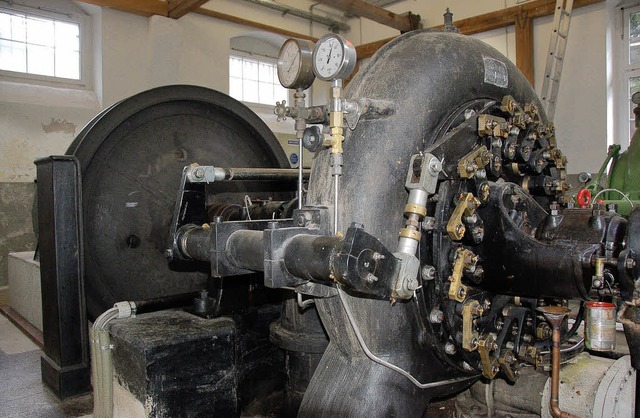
pixel 581 113
pixel 135 53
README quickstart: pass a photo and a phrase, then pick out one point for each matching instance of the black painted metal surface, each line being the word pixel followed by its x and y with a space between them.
pixel 181 365
pixel 131 158
pixel 429 77
pixel 65 362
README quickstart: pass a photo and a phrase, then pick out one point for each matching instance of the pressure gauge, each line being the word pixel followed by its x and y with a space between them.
pixel 333 58
pixel 295 65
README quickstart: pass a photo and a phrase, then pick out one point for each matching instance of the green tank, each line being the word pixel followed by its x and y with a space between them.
pixel 623 183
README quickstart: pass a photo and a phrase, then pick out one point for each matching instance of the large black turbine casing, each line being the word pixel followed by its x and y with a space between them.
pixel 429 76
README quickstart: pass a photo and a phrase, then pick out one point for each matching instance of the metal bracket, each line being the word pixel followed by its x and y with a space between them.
pixel 423 173
pixel 365 108
pixel 407 283
pixel 464 259
pixel 221 266
pixel 365 265
pixel 470 310
pixel 467 205
pixel 473 161
pixel 506 360
pixel 486 345
pixel 489 125
pixel 274 244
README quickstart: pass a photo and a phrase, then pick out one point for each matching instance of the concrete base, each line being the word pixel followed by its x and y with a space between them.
pixel 25 296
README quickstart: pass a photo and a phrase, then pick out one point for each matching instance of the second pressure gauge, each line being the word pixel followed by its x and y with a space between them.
pixel 333 58
pixel 295 67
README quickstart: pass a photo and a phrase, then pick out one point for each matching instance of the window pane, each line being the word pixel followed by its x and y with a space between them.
pixel 235 67
pixel 250 91
pixel 634 25
pixel 5 26
pixel 250 70
pixel 40 60
pixel 13 56
pixel 235 88
pixel 281 93
pixel 634 38
pixel 266 93
pixel 18 28
pixel 634 86
pixel 67 36
pixel 67 64
pixel 265 73
pixel 40 32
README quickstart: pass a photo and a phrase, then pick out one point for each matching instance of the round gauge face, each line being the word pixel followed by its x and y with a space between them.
pixel 289 63
pixel 328 58
pixel 295 66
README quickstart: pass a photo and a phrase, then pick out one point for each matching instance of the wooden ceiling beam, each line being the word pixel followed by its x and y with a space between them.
pixel 140 7
pixel 179 8
pixel 488 21
pixel 404 23
pixel 251 23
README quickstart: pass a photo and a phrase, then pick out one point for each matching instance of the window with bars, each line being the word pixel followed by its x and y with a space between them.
pixel 39 47
pixel 255 81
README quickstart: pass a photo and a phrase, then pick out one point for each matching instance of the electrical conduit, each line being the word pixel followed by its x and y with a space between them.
pixel 102 358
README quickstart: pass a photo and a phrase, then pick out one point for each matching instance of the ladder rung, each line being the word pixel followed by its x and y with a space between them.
pixel 555 80
pixel 558 57
pixel 564 12
pixel 563 34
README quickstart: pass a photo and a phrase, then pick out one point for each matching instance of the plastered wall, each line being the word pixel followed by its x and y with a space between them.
pixel 134 53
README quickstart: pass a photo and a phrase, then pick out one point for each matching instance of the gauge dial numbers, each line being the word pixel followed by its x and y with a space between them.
pixel 333 58
pixel 295 67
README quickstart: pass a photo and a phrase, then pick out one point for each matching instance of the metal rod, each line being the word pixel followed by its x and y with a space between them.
pixel 300 170
pixel 264 174
pixel 555 315
pixel 331 23
pixel 336 185
pixel 300 126
pixel 210 174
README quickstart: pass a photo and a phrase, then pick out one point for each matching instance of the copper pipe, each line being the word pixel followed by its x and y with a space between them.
pixel 555 315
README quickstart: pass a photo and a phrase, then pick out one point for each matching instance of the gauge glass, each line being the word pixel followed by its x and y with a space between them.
pixel 329 58
pixel 289 63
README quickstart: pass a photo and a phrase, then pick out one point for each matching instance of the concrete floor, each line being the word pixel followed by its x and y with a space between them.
pixel 22 393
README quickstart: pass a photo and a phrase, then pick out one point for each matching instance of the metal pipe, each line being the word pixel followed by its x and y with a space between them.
pixel 264 174
pixel 331 23
pixel 555 315
pixel 336 186
pixel 245 250
pixel 300 126
pixel 309 256
pixel 210 174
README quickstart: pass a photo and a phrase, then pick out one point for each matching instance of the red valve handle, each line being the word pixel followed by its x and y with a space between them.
pixel 584 198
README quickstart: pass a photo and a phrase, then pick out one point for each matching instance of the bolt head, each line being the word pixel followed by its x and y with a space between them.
pixel 198 173
pixel 412 283
pixel 168 253
pixel 630 263
pixel 435 166
pixel 428 272
pixel 449 348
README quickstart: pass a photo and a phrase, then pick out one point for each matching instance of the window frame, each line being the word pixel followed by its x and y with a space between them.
pixel 626 72
pixel 83 22
pixel 259 58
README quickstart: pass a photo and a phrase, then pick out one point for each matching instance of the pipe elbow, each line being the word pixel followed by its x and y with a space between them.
pixel 556 412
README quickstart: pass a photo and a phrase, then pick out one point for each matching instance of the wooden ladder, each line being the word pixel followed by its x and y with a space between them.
pixel 555 57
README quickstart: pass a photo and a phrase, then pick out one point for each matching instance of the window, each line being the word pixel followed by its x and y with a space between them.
pixel 40 47
pixel 255 81
pixel 632 63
